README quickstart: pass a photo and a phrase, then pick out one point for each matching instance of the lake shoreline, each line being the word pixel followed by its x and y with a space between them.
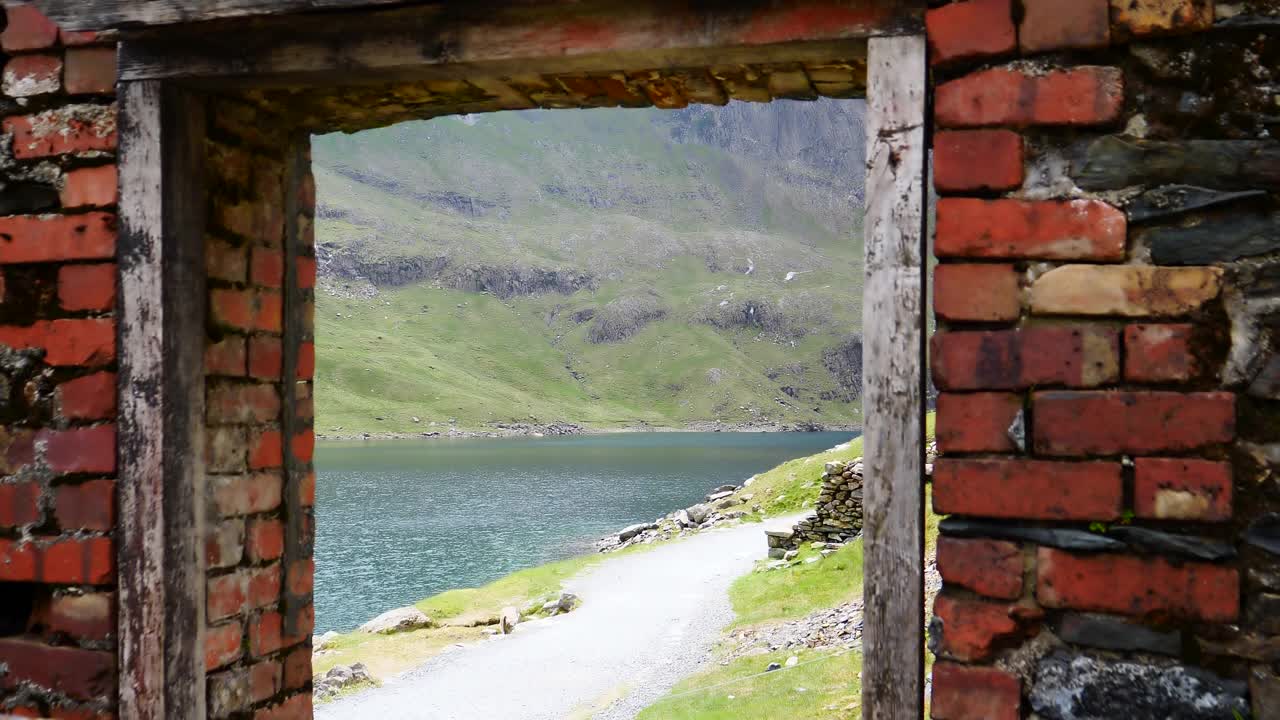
pixel 559 430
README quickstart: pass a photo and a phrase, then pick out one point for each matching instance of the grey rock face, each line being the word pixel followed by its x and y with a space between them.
pixel 398 620
pixel 1079 687
pixel 1112 633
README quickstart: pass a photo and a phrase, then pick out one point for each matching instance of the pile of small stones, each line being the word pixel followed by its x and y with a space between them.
pixel 726 503
pixel 340 676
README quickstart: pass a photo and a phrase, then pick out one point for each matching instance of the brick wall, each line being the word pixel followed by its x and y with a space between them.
pixel 259 362
pixel 1109 243
pixel 57 362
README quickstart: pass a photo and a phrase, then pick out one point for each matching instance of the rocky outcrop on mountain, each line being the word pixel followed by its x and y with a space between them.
pixel 624 317
pixel 793 316
pixel 844 362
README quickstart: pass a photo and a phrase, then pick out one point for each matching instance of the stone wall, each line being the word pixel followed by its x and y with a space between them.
pixel 1108 303
pixel 57 370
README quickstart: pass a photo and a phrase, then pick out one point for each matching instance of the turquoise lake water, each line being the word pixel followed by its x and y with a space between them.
pixel 400 520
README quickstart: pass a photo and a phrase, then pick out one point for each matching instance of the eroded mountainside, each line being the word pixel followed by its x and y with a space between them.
pixel 602 267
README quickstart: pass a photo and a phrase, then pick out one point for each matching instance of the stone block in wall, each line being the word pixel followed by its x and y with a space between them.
pixel 1124 290
pixel 1067 686
pixel 1140 18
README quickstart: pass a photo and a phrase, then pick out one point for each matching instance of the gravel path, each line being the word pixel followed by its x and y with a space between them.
pixel 647 620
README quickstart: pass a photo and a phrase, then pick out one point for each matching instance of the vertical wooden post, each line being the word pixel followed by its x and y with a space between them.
pixel 893 369
pixel 160 544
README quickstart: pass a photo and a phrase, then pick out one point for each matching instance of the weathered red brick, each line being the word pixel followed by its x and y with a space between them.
pixel 227 449
pixel 297 707
pixel 1182 489
pixel 87 506
pixel 1003 96
pixel 976 293
pixel 264 680
pixel 19 504
pixel 267 267
pixel 972 630
pixel 259 220
pixel 1124 290
pixel 226 357
pixel 56 238
pixel 92 397
pixel 270 312
pixel 1139 586
pixel 977 422
pixel 267 450
pixel 30 75
pixel 307 489
pixel 18 561
pixel 223 644
pixel 17 449
pixel 306 270
pixel 969 30
pixel 303 446
pixel 91 70
pixel 971 160
pixel 70 342
pixel 225 261
pixel 74 672
pixel 80 450
pixel 1035 229
pixel 229 403
pixel 87 287
pixel 84 616
pixel 1055 25
pixel 67 130
pixel 263 585
pixel 78 561
pixel 1137 18
pixel 264 540
pixel 306 367
pixel 987 567
pixel 266 357
pixel 300 577
pixel 1159 353
pixel 224 546
pixel 1114 423
pixel 90 187
pixel 247 309
pixel 227 595
pixel 1070 355
pixel 247 494
pixel 1028 489
pixel 265 634
pixel 297 668
pixel 974 693
pixel 76 38
pixel 27 29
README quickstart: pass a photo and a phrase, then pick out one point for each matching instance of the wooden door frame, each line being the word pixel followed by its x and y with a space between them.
pixel 162 316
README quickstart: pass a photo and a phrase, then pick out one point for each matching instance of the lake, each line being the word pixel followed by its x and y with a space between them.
pixel 400 520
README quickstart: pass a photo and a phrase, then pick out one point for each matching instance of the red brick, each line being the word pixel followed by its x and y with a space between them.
pixel 68 130
pixel 80 713
pixel 77 38
pixel 1182 489
pixel 227 449
pixel 80 450
pixel 304 407
pixel 297 668
pixel 1069 355
pixel 224 545
pixel 91 187
pixel 972 629
pixel 1146 586
pixel 306 269
pixel 85 616
pixel 267 451
pixel 987 567
pixel 91 70
pixel 92 397
pixel 297 707
pixel 18 561
pixel 223 644
pixel 269 316
pixel 225 261
pixel 88 561
pixel 1055 25
pixel 976 293
pixel 87 287
pixel 259 220
pixel 1159 353
pixel 974 693
pixel 247 309
pixel 303 446
pixel 1028 489
pixel 969 30
pixel 972 160
pixel 306 368
pixel 976 422
pixel 264 540
pixel 225 596
pixel 267 267
pixel 87 506
pixel 1038 229
pixel 307 490
pixel 1139 18
pixel 301 577
pixel 55 238
pixel 73 672
pixel 1115 423
pixel 231 402
pixel 265 634
pixel 247 494
pixel 19 504
pixel 27 29
pixel 266 357
pixel 17 449
pixel 89 343
pixel 226 357
pixel 30 75
pixel 1003 96
pixel 264 680
pixel 264 586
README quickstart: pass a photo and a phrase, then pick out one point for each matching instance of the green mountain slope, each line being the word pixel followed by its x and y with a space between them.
pixel 603 267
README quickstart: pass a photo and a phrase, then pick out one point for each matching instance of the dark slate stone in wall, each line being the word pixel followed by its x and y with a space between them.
pixel 1222 239
pixel 1172 200
pixel 1112 633
pixel 1114 162
pixel 21 198
pixel 1189 546
pixel 1077 540
pixel 1079 687
pixel 1264 533
pixel 1267 383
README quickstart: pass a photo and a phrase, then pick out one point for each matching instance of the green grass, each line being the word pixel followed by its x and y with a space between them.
pixel 515 589
pixel 794 592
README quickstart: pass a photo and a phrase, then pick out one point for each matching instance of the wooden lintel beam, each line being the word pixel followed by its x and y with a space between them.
pixel 404 43
pixel 112 14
